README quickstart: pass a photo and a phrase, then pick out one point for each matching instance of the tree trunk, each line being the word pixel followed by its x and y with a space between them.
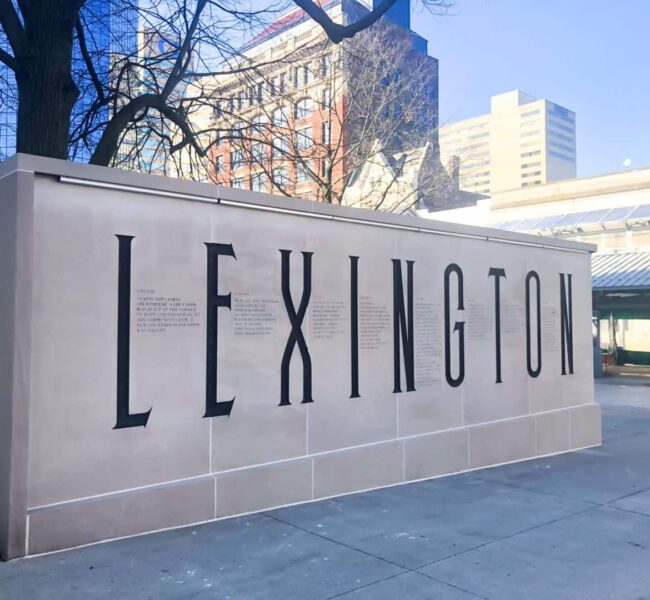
pixel 46 90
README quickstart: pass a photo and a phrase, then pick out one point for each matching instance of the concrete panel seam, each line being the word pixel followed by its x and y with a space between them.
pixel 466 428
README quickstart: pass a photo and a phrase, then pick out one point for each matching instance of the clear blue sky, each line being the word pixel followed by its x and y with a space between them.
pixel 591 56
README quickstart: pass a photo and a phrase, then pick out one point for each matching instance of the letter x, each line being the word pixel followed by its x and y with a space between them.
pixel 296 336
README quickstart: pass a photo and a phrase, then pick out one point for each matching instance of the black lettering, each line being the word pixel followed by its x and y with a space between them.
pixel 403 326
pixel 354 326
pixel 566 319
pixel 459 326
pixel 497 274
pixel 125 418
pixel 215 301
pixel 296 336
pixel 534 372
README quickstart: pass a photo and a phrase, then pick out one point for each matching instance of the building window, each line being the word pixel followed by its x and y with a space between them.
pixel 304 138
pixel 260 92
pixel 303 108
pixel 258 125
pixel 282 83
pixel 561 112
pixel 561 156
pixel 238 130
pixel 252 95
pixel 307 75
pixel 218 112
pixel 258 182
pixel 326 132
pixel 296 77
pixel 257 152
pixel 279 117
pixel 280 177
pixel 528 154
pixel 236 159
pixel 327 98
pixel 560 136
pixel 302 171
pixel 280 147
pixel 326 65
pixel 218 163
pixel 561 147
pixel 238 182
pixel 563 126
pixel 326 165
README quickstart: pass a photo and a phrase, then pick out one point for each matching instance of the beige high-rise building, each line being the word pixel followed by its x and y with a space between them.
pixel 522 142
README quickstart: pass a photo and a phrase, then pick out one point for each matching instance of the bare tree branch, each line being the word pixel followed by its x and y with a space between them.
pixel 81 38
pixel 337 32
pixel 13 28
pixel 8 60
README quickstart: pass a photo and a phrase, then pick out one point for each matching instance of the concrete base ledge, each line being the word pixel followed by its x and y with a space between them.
pixel 295 481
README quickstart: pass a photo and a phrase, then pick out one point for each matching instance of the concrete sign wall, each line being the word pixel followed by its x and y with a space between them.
pixel 174 353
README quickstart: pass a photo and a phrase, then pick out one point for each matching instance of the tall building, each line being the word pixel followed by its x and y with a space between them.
pixel 111 39
pixel 522 142
pixel 111 32
pixel 7 107
pixel 305 113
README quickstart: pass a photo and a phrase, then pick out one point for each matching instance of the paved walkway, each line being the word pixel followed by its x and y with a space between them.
pixel 576 526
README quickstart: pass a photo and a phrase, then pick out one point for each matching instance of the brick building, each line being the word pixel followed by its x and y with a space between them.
pixel 302 113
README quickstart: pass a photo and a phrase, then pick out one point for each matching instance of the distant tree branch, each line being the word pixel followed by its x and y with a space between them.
pixel 337 32
pixel 81 38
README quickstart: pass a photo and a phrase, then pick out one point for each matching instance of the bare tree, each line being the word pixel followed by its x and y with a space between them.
pixel 330 122
pixel 69 103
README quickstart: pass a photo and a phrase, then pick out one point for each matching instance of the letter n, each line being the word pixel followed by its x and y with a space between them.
pixel 566 319
pixel 403 326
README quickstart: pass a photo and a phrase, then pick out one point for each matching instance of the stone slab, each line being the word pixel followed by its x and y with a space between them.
pixel 264 487
pixel 87 521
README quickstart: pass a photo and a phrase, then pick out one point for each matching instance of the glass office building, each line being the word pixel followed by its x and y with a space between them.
pixel 111 30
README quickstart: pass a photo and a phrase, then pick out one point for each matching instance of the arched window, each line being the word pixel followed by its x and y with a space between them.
pixel 303 108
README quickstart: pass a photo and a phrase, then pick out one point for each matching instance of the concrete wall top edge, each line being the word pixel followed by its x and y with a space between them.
pixel 198 191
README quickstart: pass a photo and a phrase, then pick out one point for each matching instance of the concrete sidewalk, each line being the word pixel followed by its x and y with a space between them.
pixel 575 526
